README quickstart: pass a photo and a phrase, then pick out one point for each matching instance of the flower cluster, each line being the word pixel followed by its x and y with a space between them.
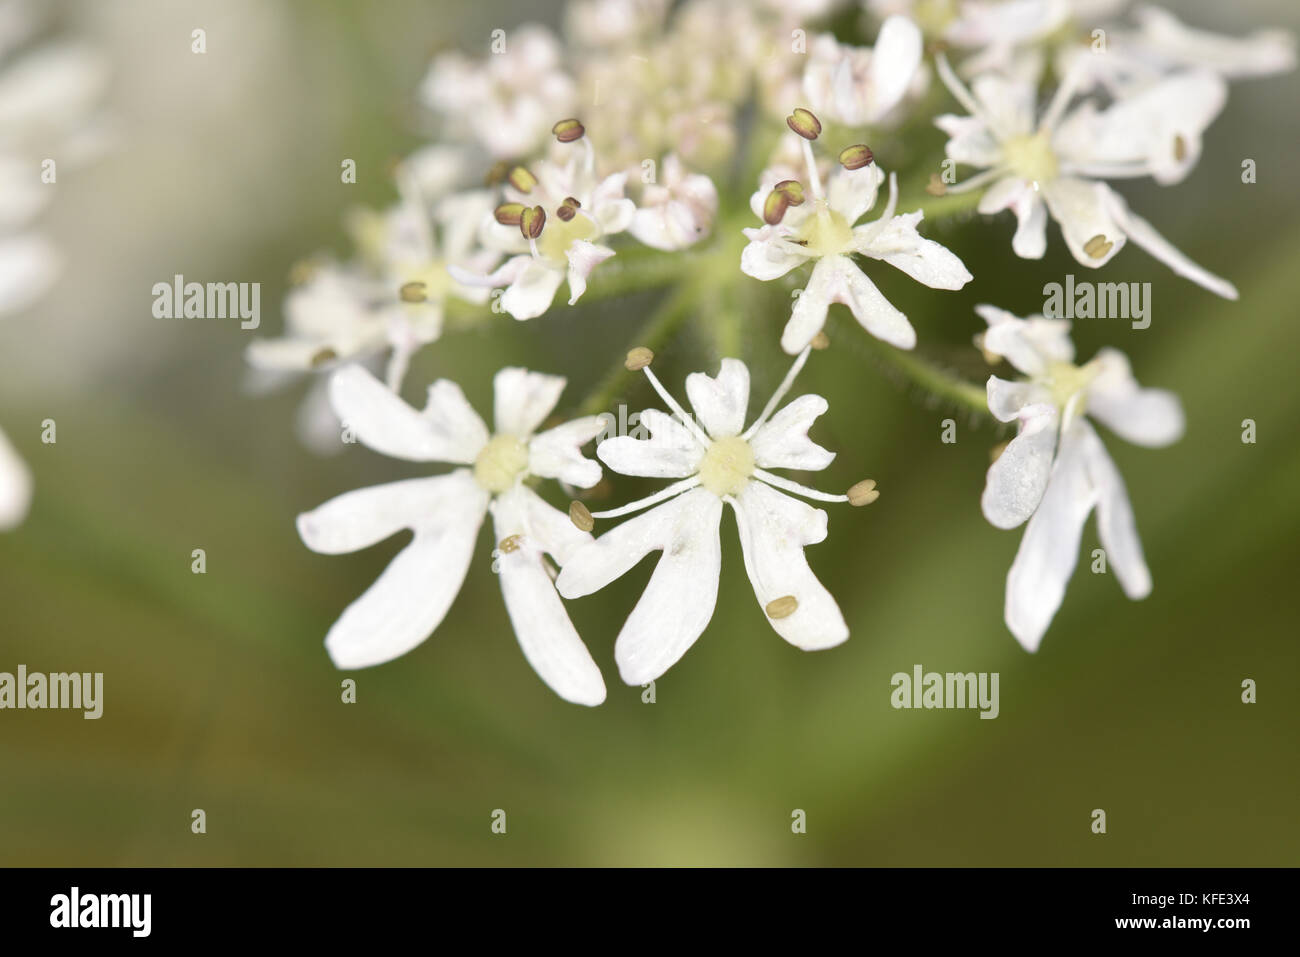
pixel 634 154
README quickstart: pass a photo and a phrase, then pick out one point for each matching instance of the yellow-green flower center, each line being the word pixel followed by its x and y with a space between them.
pixel 1068 382
pixel 826 232
pixel 727 466
pixel 500 464
pixel 1030 157
pixel 558 235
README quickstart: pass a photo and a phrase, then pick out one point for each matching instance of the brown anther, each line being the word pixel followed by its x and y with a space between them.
pixel 804 123
pixel 936 186
pixel 565 213
pixel 863 493
pixel 509 214
pixel 522 180
pixel 1180 148
pixel 580 516
pixel 1098 246
pixel 638 358
pixel 532 221
pixel 413 292
pixel 856 157
pixel 509 544
pixel 792 190
pixel 820 341
pixel 566 131
pixel 322 356
pixel 572 201
pixel 782 607
pixel 774 207
pixel 496 173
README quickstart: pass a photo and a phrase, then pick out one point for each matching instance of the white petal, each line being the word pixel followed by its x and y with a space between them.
pixel 1150 417
pixel 774 529
pixel 926 261
pixel 1080 207
pixel 545 633
pixel 1028 344
pixel 1116 526
pixel 583 258
pixel 1050 546
pixel 522 400
pixel 412 595
pixel 28 268
pixel 851 192
pixel 1145 235
pixel 1007 399
pixel 838 279
pixel 769 257
pixel 671 451
pixel 15 486
pixel 448 430
pixel 720 402
pixel 683 589
pixel 970 142
pixel 782 442
pixel 894 62
pixel 1262 53
pixel 556 453
pixel 533 291
pixel 1030 241
pixel 1015 482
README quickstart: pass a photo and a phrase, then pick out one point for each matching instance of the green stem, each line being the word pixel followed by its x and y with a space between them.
pixel 930 376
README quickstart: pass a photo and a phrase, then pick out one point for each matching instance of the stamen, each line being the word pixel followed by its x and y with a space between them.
pixel 1180 148
pixel 792 190
pixel 782 607
pixel 509 544
pixel 568 209
pixel 580 516
pixel 496 173
pixel 774 207
pixel 509 214
pixel 413 292
pixel 638 358
pixel 1064 93
pixel 856 157
pixel 532 221
pixel 685 485
pixel 958 89
pixel 974 182
pixel 779 394
pixel 322 356
pixel 1098 246
pixel 936 186
pixel 794 488
pixel 677 410
pixel 566 131
pixel 522 180
pixel 804 123
pixel 820 341
pixel 814 179
pixel 863 493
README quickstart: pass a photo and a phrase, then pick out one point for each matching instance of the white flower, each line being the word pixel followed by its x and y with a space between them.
pixel 613 23
pixel 578 211
pixel 15 486
pixel 509 99
pixel 721 462
pixel 821 230
pixel 678 212
pixel 412 596
pixel 48 100
pixel 1055 471
pixel 857 86
pixel 1057 164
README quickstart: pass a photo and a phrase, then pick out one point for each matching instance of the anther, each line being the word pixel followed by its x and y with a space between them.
pixel 638 358
pixel 1098 246
pixel 804 123
pixel 856 157
pixel 496 173
pixel 531 222
pixel 509 214
pixel 566 131
pixel 580 516
pixel 863 493
pixel 782 607
pixel 413 292
pixel 509 544
pixel 322 356
pixel 936 186
pixel 774 207
pixel 820 341
pixel 522 180
pixel 1180 148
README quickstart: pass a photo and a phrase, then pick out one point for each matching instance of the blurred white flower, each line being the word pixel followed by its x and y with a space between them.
pixel 506 100
pixel 1056 470
pixel 857 86
pixel 15 486
pixel 1057 163
pixel 572 211
pixel 676 212
pixel 612 23
pixel 715 464
pixel 820 228
pixel 412 596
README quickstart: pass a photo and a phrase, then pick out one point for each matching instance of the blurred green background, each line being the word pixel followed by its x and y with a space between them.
pixel 218 692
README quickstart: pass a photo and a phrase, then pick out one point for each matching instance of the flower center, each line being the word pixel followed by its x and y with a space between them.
pixel 826 232
pixel 558 235
pixel 1030 157
pixel 934 16
pixel 500 463
pixel 1068 383
pixel 727 466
